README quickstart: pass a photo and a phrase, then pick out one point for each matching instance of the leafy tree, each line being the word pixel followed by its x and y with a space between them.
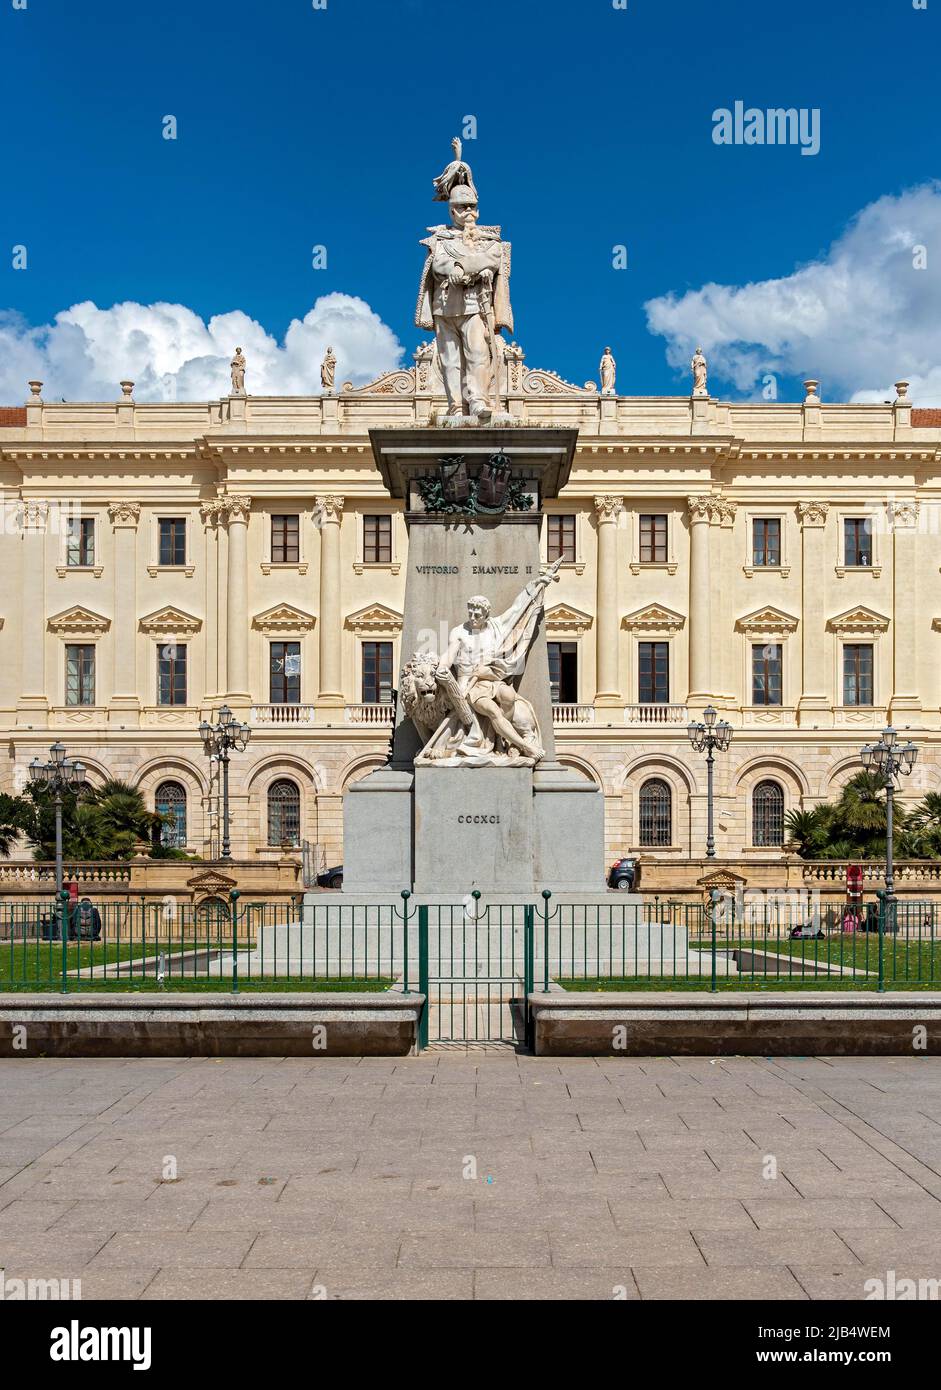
pixel 107 822
pixel 854 826
pixel 13 815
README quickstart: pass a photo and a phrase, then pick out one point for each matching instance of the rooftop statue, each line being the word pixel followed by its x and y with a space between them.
pixel 464 297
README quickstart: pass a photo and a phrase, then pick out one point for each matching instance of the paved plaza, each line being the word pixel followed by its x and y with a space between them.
pixel 464 1174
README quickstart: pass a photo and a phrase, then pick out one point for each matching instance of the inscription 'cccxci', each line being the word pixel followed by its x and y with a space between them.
pixel 478 820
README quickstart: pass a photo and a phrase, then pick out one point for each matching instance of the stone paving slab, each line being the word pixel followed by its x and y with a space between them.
pixel 471 1175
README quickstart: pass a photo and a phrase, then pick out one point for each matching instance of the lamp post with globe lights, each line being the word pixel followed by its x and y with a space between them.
pixel 707 736
pixel 218 741
pixel 889 759
pixel 59 775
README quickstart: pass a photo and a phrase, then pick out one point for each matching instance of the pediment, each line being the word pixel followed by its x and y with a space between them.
pixel 211 881
pixel 79 620
pixel 284 617
pixel 375 618
pixel 169 622
pixel 723 879
pixel 768 619
pixel 564 618
pixel 654 617
pixel 859 620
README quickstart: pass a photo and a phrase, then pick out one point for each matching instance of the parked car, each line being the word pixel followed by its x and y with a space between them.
pixel 624 874
pixel 331 878
pixel 810 930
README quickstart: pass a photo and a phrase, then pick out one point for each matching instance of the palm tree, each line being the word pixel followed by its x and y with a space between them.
pixel 13 815
pixel 861 808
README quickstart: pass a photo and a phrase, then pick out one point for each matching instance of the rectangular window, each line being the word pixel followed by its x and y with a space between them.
pixel 653 540
pixel 653 667
pixel 766 541
pixel 560 539
pixel 766 665
pixel 563 672
pixel 80 542
pixel 172 540
pixel 377 673
pixel 80 675
pixel 171 675
pixel 857 674
pixel 285 673
pixel 377 540
pixel 285 539
pixel 857 541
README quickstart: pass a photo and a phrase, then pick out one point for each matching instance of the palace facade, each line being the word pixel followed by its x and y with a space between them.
pixel 780 561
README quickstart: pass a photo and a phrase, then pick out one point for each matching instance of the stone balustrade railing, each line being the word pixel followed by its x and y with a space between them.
pixel 573 714
pixel 369 714
pixel 906 871
pixel 282 714
pixel 45 873
pixel 656 714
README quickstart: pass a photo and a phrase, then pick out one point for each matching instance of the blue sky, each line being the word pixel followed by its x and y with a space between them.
pixel 300 126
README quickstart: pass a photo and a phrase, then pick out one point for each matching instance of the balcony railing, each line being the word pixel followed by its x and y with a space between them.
pixel 573 714
pixel 656 714
pixel 369 714
pixel 282 714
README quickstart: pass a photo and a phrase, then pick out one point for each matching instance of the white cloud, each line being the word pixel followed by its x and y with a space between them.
pixel 859 319
pixel 172 354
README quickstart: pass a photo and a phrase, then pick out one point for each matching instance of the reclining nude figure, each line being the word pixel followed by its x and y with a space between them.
pixel 488 724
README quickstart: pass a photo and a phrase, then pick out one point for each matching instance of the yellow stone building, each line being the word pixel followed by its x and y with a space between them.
pixel 780 561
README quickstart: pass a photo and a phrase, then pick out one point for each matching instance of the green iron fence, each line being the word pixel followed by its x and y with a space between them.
pixel 476 963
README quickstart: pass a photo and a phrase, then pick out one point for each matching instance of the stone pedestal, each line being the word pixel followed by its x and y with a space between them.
pixel 473 829
pixel 445 831
pixel 377 833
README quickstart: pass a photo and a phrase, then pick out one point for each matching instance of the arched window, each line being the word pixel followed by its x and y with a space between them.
pixel 656 818
pixel 284 813
pixel 170 801
pixel 767 805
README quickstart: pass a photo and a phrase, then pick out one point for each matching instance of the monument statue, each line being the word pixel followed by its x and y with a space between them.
pixel 238 373
pixel 328 369
pixel 698 365
pixel 607 369
pixel 464 297
pixel 465 705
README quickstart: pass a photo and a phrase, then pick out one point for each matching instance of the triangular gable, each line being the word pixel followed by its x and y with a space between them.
pixel 79 620
pixel 654 617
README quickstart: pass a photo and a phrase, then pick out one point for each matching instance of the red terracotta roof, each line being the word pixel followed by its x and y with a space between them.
pixel 12 415
pixel 926 418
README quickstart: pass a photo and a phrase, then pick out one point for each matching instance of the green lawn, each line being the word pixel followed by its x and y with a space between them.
pixel 731 984
pixel 264 984
pixel 37 966
pixel 904 960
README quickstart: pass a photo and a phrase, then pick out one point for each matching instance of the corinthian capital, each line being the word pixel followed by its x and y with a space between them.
pixel 236 508
pixel 700 508
pixel 34 513
pixel 608 508
pixel 813 513
pixel 903 515
pixel 328 508
pixel 124 513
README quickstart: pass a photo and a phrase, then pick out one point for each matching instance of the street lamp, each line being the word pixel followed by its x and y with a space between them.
pixel 889 759
pixel 218 739
pixel 706 737
pixel 60 774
